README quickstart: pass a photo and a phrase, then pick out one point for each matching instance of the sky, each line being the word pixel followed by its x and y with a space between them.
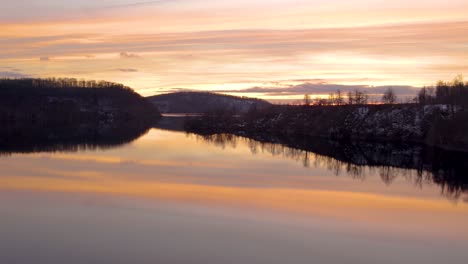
pixel 273 49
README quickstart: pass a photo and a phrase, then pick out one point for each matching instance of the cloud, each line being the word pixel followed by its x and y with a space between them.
pixel 321 88
pixel 14 75
pixel 44 59
pixel 127 70
pixel 126 55
pixel 416 54
pixel 7 68
pixel 136 4
pixel 402 41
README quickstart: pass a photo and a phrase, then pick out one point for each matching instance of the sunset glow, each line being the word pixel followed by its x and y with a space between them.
pixel 173 197
pixel 229 46
pixel 159 178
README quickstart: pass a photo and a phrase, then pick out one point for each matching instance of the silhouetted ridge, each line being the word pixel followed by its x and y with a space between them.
pixel 71 101
pixel 201 102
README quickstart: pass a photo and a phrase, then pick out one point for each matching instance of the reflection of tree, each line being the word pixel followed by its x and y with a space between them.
pixel 221 140
pixel 306 161
pixel 387 175
pixel 413 163
pixel 29 139
pixel 253 146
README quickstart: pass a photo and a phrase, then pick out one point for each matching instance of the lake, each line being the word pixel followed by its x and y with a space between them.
pixel 172 197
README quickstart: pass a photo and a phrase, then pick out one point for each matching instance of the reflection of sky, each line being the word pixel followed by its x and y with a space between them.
pixel 177 197
pixel 155 46
pixel 172 158
pixel 176 157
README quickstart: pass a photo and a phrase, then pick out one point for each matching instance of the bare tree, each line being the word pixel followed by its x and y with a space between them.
pixel 307 100
pixel 339 98
pixel 422 97
pixel 357 97
pixel 389 96
pixel 321 102
pixel 331 99
pixel 350 98
pixel 336 98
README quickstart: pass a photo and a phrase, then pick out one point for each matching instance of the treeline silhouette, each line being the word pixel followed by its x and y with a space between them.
pixel 356 97
pixel 64 101
pixel 416 163
pixel 452 127
pixel 453 93
pixel 66 85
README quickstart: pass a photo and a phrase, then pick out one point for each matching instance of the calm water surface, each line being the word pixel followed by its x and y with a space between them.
pixel 169 197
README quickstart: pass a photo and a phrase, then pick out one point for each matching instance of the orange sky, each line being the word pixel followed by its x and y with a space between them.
pixel 160 46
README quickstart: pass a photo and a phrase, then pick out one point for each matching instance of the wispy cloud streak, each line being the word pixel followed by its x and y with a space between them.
pixel 434 39
pixel 321 89
pixel 182 44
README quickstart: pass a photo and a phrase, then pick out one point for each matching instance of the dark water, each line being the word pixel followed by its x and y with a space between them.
pixel 169 197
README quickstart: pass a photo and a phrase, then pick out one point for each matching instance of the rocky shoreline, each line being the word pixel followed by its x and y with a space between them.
pixel 432 125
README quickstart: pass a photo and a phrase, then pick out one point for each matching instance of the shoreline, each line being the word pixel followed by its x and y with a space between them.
pixel 429 125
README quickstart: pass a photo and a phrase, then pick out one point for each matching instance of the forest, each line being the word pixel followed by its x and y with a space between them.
pixel 454 93
pixel 65 101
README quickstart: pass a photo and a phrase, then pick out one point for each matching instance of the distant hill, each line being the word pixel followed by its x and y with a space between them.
pixel 201 102
pixel 61 102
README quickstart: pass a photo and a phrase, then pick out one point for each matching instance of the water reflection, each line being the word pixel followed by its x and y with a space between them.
pixel 417 164
pixel 172 198
pixel 30 139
